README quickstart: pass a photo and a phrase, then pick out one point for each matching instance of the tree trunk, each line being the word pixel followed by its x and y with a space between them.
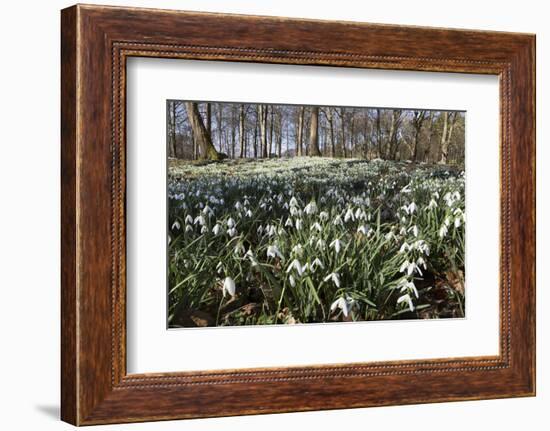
pixel 343 131
pixel 241 131
pixel 448 126
pixel 262 112
pixel 173 127
pixel 418 121
pixel 209 118
pixel 300 131
pixel 208 151
pixel 314 132
pixel 270 149
pixel 331 127
pixel 379 135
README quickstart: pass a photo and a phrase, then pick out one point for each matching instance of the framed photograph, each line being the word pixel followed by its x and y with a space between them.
pixel 264 215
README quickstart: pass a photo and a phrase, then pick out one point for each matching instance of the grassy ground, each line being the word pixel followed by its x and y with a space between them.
pixel 314 240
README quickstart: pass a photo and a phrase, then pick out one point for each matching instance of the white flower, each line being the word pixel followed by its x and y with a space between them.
pixel 297 249
pixel 409 267
pixel 297 266
pixel 248 213
pixel 311 208
pixel 288 222
pixel 457 222
pixel 408 286
pixel 317 226
pixel 298 224
pixel 291 280
pixel 321 244
pixel 204 230
pixel 337 221
pixel 188 228
pixel 273 251
pixel 232 232
pixel 404 248
pixel 334 277
pixel 230 222
pixel 251 257
pixel 443 231
pixel 363 229
pixel 337 245
pixel 414 230
pixel 239 249
pixel 229 287
pixel 188 219
pixel 407 299
pixel 432 204
pixel 176 225
pixel 216 229
pixel 349 215
pixel 344 304
pixel 323 216
pixel 207 210
pixel 316 263
pixel 200 220
pixel 293 202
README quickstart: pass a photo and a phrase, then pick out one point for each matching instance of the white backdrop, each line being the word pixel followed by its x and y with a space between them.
pixel 29 216
pixel 151 348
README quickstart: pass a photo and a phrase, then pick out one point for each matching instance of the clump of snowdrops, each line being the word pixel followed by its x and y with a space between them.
pixel 304 240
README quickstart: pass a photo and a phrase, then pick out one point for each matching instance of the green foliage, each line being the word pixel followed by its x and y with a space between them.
pixel 315 240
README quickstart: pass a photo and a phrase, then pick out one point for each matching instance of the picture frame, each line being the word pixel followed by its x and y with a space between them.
pixel 96 42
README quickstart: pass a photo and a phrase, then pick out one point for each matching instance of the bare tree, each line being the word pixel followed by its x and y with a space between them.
pixel 417 122
pixel 241 131
pixel 208 151
pixel 449 119
pixel 314 132
pixel 262 114
pixel 300 131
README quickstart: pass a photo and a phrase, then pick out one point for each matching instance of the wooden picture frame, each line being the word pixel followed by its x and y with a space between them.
pixel 95 43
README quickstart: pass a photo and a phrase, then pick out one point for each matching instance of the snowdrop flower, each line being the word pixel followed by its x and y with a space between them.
pixel 248 213
pixel 260 230
pixel 229 287
pixel 409 267
pixel 291 280
pixel 316 263
pixel 207 210
pixel 404 248
pixel 297 266
pixel 406 189
pixel 317 226
pixel 273 251
pixel 457 222
pixel 344 304
pixel 321 244
pixel 297 249
pixel 188 228
pixel 271 230
pixel 288 222
pixel 349 215
pixel 239 249
pixel 232 232
pixel 323 216
pixel 408 286
pixel 334 277
pixel 230 222
pixel 238 205
pixel 298 224
pixel 337 245
pixel 200 220
pixel 204 230
pixel 406 298
pixel 250 255
pixel 310 208
pixel 219 267
pixel 293 202
pixel 176 225
pixel 432 204
pixel 421 262
pixel 188 219
pixel 414 230
pixel 337 221
pixel 216 229
pixel 363 229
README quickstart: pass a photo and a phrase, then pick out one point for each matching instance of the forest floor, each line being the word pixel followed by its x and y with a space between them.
pixel 300 240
